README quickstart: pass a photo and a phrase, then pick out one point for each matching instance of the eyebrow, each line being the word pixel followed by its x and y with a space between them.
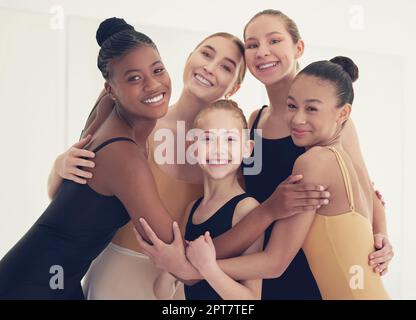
pixel 268 34
pixel 307 100
pixel 226 58
pixel 135 70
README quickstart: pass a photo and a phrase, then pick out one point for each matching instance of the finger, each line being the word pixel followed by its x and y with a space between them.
pixel 81 143
pixel 293 179
pixel 150 233
pixel 380 253
pixel 75 179
pixel 209 239
pixel 79 162
pixel 304 209
pixel 376 261
pixel 302 187
pixel 83 153
pixel 312 195
pixel 382 267
pixel 310 202
pixel 177 235
pixel 378 242
pixel 81 173
pixel 384 272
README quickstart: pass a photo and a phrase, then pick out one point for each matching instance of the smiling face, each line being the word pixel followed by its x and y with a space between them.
pixel 314 115
pixel 212 69
pixel 221 144
pixel 271 54
pixel 140 83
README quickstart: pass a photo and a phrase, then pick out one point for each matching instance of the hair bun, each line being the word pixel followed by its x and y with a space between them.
pixel 348 65
pixel 110 27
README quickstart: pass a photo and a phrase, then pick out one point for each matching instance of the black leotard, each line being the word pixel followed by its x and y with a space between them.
pixel 76 226
pixel 278 158
pixel 217 224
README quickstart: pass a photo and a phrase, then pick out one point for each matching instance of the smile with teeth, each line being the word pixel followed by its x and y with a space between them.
pixel 265 66
pixel 218 161
pixel 203 80
pixel 154 99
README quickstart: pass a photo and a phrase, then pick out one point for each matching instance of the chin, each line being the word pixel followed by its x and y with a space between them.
pixel 300 142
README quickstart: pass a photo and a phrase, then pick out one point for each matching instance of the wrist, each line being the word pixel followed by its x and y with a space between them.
pixel 187 271
pixel 210 271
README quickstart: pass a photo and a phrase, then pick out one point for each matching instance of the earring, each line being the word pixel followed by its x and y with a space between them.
pixel 227 96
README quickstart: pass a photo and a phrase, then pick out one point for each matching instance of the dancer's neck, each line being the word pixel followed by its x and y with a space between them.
pixel 278 93
pixel 185 109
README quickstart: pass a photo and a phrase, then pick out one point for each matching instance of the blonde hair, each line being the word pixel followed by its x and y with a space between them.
pixel 240 46
pixel 222 104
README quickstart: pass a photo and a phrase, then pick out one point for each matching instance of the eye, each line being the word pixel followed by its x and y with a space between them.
pixel 311 109
pixel 226 68
pixel 134 78
pixel 251 46
pixel 205 54
pixel 159 70
pixel 291 106
pixel 274 41
pixel 205 138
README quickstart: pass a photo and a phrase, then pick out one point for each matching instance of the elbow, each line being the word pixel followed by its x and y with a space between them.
pixel 275 270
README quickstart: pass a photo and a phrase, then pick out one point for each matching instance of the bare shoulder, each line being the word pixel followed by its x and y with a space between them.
pixel 243 208
pixel 123 156
pixel 313 163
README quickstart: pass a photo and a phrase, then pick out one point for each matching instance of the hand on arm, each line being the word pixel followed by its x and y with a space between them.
pixel 66 166
pixel 291 197
pixel 286 239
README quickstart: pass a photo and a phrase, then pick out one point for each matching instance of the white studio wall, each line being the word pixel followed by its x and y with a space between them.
pixel 49 82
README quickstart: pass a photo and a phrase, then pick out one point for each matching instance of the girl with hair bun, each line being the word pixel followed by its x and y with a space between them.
pixel 54 255
pixel 339 236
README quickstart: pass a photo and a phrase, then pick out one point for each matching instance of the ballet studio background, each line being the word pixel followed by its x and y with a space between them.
pixel 49 82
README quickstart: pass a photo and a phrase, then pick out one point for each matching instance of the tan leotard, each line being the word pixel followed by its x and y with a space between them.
pixel 337 249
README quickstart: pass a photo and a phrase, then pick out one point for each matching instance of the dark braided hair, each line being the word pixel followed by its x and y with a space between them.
pixel 341 71
pixel 116 37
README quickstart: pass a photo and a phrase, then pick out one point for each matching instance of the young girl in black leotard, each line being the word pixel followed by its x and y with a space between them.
pixel 53 256
pixel 221 145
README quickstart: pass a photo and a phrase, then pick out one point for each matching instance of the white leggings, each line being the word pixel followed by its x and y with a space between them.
pixel 120 273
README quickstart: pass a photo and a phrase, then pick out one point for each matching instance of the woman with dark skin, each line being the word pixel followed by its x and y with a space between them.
pixel 81 220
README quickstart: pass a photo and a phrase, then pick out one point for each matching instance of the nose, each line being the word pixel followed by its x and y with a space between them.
pixel 299 118
pixel 151 84
pixel 218 147
pixel 209 67
pixel 262 51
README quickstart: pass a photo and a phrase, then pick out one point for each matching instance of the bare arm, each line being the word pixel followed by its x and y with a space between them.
pixel 202 253
pixel 286 239
pixel 127 175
